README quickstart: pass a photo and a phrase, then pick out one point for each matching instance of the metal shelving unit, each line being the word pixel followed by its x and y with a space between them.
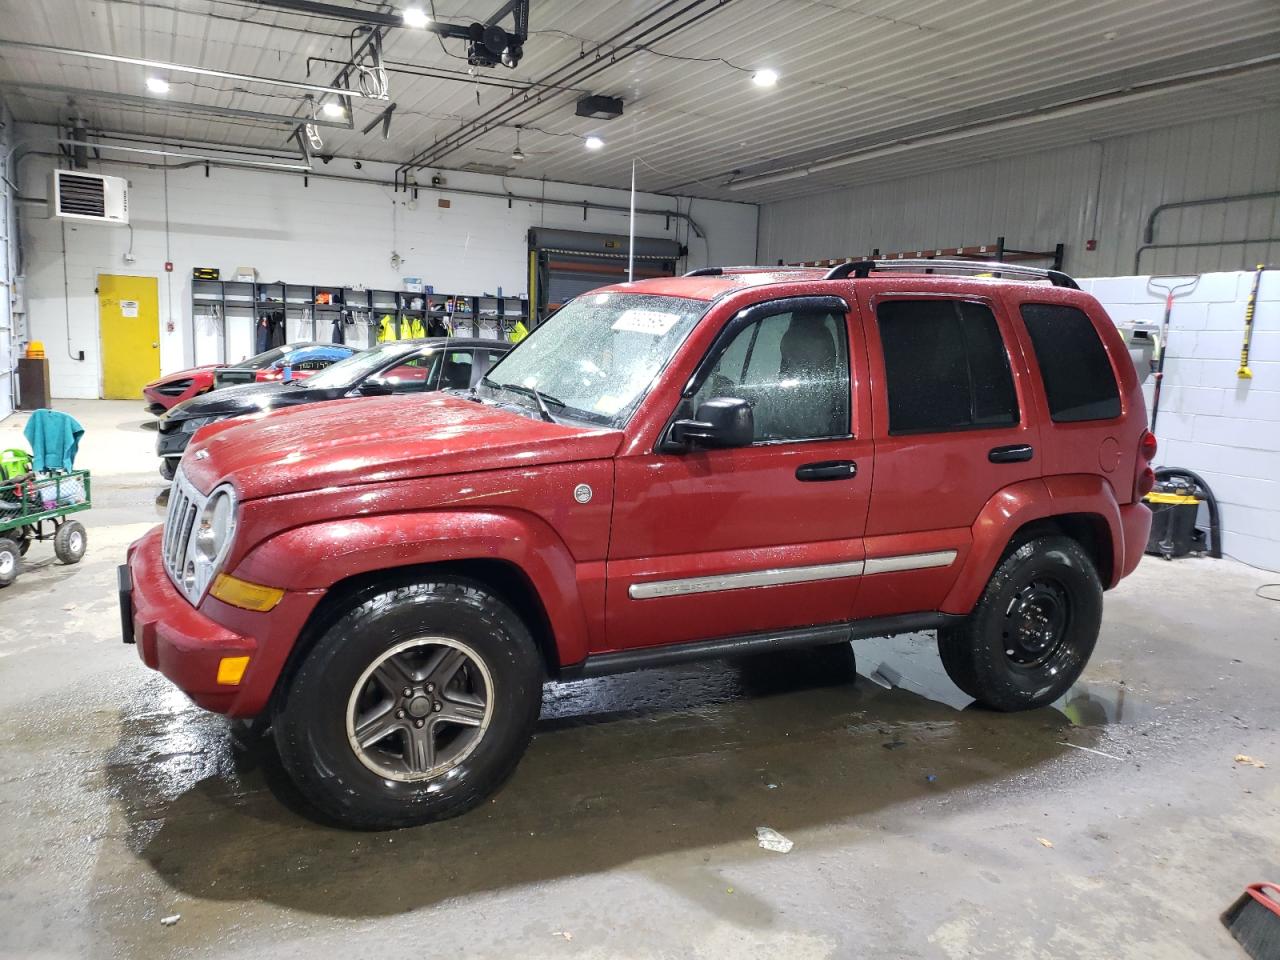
pixel 310 310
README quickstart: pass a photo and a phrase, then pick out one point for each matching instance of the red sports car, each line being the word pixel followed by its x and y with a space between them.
pixel 303 359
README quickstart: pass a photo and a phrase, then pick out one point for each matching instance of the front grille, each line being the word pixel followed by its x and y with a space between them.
pixel 185 504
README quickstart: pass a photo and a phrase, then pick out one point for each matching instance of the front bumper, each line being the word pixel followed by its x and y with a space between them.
pixel 186 644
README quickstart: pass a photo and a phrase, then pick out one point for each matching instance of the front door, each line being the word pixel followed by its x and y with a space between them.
pixel 720 542
pixel 129 327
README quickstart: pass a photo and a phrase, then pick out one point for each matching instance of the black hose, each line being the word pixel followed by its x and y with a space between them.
pixel 1215 531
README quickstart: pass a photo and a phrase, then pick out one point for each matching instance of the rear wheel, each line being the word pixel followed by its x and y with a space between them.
pixel 70 542
pixel 10 561
pixel 1032 632
pixel 414 706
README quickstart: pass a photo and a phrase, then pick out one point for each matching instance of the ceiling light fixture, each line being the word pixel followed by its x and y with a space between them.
pixel 765 78
pixel 517 154
pixel 415 17
pixel 593 143
pixel 334 110
pixel 157 84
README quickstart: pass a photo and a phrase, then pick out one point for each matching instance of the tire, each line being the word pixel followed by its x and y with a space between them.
pixel 336 690
pixel 1030 636
pixel 168 467
pixel 70 542
pixel 10 561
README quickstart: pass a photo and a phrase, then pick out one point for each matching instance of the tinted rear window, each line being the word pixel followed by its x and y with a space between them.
pixel 946 367
pixel 1077 374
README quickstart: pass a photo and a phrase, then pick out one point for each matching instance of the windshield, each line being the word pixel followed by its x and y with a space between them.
pixel 347 373
pixel 595 359
pixel 263 360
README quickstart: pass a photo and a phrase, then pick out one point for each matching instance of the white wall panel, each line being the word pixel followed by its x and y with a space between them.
pixel 1102 190
pixel 327 232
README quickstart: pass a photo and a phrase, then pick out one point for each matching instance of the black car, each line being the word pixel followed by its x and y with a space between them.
pixel 403 366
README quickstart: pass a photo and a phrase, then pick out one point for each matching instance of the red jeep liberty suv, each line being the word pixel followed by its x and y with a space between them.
pixel 736 460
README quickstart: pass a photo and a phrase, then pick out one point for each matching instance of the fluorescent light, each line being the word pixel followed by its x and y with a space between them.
pixel 593 143
pixel 415 17
pixel 746 183
pixel 157 84
pixel 334 110
pixel 765 78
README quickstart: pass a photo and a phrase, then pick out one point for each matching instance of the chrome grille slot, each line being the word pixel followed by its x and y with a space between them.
pixel 185 504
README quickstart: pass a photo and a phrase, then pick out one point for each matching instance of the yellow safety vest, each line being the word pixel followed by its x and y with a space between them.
pixel 519 332
pixel 386 328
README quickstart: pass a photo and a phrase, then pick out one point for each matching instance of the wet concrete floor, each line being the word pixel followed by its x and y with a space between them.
pixel 1115 824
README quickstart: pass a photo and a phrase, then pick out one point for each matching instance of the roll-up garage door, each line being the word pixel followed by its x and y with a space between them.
pixel 566 263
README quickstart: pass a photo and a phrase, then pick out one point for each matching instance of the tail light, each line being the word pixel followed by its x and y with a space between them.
pixel 1147 446
pixel 1146 478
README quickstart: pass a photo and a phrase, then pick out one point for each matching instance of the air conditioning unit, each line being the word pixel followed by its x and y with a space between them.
pixel 74 195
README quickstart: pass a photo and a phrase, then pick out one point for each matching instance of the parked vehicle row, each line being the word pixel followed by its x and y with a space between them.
pixel 732 461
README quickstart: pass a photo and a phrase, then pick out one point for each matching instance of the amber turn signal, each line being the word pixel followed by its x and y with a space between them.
pixel 246 595
pixel 231 669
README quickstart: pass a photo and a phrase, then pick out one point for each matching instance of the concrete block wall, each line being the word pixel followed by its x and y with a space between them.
pixel 321 232
pixel 1210 421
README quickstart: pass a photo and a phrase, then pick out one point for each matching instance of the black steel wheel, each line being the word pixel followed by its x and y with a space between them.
pixel 70 542
pixel 1032 632
pixel 10 561
pixel 413 706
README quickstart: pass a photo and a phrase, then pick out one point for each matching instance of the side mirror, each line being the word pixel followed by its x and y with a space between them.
pixel 720 422
pixel 375 387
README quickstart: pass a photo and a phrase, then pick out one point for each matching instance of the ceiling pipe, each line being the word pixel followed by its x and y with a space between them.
pixel 195 160
pixel 183 68
pixel 1130 94
pixel 177 106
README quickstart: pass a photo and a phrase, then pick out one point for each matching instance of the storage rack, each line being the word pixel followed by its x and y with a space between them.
pixel 982 251
pixel 306 318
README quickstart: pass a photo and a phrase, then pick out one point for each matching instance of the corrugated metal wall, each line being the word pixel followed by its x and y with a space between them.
pixel 1101 190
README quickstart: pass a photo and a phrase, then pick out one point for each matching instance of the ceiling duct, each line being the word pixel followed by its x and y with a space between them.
pixel 599 107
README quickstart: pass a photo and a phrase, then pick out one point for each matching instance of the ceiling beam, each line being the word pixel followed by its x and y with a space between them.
pixel 184 68
pixel 175 106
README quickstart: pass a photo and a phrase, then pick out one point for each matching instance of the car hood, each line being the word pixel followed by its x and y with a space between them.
pixel 246 399
pixel 381 439
pixel 181 374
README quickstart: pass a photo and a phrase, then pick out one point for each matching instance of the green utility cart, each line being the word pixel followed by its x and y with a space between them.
pixel 39 507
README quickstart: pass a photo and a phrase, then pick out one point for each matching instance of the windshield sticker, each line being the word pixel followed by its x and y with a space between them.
pixel 653 322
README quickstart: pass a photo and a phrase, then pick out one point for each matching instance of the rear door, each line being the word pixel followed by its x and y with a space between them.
pixel 721 542
pixel 953 425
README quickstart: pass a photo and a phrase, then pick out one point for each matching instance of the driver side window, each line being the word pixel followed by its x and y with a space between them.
pixel 793 368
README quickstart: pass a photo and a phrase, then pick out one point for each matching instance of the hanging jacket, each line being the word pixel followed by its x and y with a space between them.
pixel 54 437
pixel 386 328
pixel 411 328
pixel 518 332
pixel 339 334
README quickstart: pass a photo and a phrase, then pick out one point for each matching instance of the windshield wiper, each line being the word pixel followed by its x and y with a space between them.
pixel 541 399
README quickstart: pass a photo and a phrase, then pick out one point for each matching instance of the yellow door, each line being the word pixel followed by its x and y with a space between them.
pixel 129 325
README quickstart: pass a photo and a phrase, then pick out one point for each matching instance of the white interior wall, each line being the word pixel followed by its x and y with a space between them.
pixel 322 232
pixel 8 261
pixel 1210 421
pixel 1101 190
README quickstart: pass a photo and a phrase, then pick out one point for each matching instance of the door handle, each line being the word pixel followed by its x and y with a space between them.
pixel 1013 453
pixel 827 470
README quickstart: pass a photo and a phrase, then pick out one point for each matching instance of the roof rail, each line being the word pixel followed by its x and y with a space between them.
pixel 742 268
pixel 863 268
pixel 706 272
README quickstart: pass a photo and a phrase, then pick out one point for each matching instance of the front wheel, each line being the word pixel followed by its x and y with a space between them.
pixel 1032 632
pixel 414 706
pixel 70 542
pixel 169 467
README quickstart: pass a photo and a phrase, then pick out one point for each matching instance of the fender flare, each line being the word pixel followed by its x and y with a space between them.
pixel 317 556
pixel 1021 503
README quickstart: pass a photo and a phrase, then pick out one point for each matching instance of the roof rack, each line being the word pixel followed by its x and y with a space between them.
pixel 743 268
pixel 863 268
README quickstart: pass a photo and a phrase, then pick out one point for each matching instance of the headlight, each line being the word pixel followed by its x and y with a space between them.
pixel 195 423
pixel 217 523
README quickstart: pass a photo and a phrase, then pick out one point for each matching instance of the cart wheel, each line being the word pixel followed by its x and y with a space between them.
pixel 24 542
pixel 10 561
pixel 70 541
